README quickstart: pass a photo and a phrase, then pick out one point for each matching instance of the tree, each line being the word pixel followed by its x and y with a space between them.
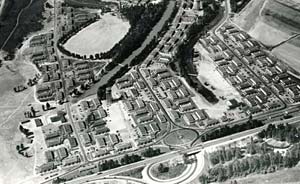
pixel 48 106
pixel 32 112
pixel 21 146
pixel 203 179
pixel 162 169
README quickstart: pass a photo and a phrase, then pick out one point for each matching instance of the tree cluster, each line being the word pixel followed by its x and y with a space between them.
pixel 259 163
pixel 162 168
pixel 150 152
pixel 227 130
pixel 184 52
pixel 25 131
pixel 127 159
pixel 62 40
pixel 19 88
pixel 223 155
pixel 142 18
pixel 282 132
pixel 101 93
pixel 109 164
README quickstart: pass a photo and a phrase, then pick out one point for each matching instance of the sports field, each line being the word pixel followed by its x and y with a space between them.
pixel 98 37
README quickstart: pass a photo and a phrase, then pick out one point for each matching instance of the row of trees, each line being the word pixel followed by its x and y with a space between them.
pixel 227 130
pixel 142 19
pixel 258 163
pixel 231 153
pixel 224 155
pixel 62 40
pixel 127 159
pixel 150 152
pixel 101 93
pixel 137 60
pixel 185 65
pixel 282 132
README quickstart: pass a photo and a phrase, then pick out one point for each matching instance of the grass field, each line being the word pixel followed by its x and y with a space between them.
pixel 98 37
pixel 280 177
pixel 289 52
pixel 11 113
pixel 175 170
pixel 134 173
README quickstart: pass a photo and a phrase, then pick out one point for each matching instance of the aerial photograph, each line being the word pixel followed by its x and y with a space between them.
pixel 150 91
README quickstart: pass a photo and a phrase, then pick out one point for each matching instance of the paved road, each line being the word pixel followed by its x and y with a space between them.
pixel 125 168
pixel 67 105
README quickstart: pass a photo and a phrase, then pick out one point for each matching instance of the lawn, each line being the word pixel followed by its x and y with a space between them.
pixel 182 137
pixel 134 173
pixel 98 37
pixel 12 108
pixel 279 177
pixel 289 53
pixel 174 170
pixel 11 113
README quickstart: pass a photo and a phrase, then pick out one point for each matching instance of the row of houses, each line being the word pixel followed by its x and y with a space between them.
pixel 176 34
pixel 270 69
pixel 234 68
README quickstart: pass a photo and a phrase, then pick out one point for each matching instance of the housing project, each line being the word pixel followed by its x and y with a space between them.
pixel 150 91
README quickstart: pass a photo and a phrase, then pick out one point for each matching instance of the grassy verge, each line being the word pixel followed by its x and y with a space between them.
pixel 170 170
pixel 283 176
pixel 134 173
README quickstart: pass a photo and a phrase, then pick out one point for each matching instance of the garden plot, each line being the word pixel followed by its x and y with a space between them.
pixel 98 37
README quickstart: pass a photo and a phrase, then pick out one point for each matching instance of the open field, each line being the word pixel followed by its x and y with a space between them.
pixel 269 21
pixel 11 108
pixel 280 177
pixel 289 53
pixel 98 37
pixel 14 167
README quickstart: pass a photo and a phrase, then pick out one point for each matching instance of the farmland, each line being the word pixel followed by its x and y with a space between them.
pixel 273 22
